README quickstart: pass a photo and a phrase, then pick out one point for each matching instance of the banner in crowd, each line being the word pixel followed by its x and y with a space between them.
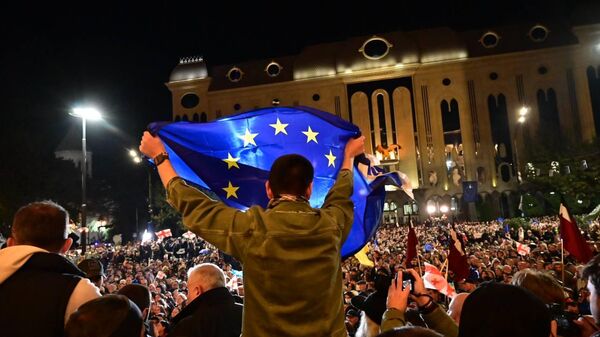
pixel 165 233
pixel 573 241
pixel 434 279
pixel 232 157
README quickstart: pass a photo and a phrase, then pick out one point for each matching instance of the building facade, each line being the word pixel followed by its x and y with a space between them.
pixel 452 110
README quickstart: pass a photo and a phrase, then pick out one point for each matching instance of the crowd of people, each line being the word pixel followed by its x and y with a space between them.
pixel 287 278
pixel 162 267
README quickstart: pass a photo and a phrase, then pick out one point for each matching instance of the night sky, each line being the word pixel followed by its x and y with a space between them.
pixel 119 55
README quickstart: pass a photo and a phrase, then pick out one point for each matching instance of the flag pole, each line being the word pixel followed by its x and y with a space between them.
pixel 417 246
pixel 562 260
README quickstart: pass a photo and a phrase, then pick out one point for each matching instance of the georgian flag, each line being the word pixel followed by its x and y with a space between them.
pixel 189 235
pixel 522 249
pixel 434 279
pixel 165 233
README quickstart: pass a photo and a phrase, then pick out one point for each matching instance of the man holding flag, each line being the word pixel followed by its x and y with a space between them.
pixel 289 250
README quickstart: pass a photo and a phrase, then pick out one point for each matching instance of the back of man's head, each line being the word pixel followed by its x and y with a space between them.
pixel 540 284
pixel 138 294
pixel 291 174
pixel 410 331
pixel 204 277
pixel 107 316
pixel 42 224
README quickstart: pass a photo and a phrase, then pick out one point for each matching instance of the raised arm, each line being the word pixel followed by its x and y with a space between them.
pixel 225 227
pixel 151 147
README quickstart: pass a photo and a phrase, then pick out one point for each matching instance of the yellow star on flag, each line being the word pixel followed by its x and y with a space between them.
pixel 310 135
pixel 279 127
pixel 231 162
pixel 248 138
pixel 331 159
pixel 231 190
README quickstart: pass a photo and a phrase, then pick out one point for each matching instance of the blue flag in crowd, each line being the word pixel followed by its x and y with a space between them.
pixel 232 157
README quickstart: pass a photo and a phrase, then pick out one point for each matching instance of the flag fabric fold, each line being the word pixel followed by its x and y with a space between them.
pixel 434 279
pixel 573 241
pixel 411 247
pixel 457 259
pixel 232 157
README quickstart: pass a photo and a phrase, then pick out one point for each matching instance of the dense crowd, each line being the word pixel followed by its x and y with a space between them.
pixel 162 265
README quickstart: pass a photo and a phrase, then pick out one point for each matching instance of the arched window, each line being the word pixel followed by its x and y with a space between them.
pixel 549 129
pixel 185 118
pixel 500 130
pixel 203 117
pixel 195 118
pixel 455 162
pixel 593 76
pixel 177 118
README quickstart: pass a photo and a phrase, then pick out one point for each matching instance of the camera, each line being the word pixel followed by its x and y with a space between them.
pixel 383 281
pixel 564 320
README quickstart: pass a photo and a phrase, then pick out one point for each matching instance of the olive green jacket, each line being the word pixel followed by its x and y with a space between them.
pixel 291 255
pixel 436 320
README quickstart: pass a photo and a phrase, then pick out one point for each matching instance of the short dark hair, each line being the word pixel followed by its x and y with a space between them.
pixel 109 315
pixel 42 224
pixel 138 294
pixel 291 174
pixel 544 286
pixel 591 272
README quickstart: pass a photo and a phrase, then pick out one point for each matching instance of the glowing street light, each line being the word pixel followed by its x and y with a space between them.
pixel 431 209
pixel 524 111
pixel 521 119
pixel 444 209
pixel 85 113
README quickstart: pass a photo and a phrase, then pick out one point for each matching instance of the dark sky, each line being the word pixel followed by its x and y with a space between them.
pixel 119 55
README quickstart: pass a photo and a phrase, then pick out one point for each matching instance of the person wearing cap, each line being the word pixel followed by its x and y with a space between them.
pixel 94 271
pixel 37 283
pixel 352 321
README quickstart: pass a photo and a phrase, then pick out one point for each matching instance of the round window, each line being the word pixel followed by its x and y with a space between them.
pixel 235 74
pixel 538 33
pixel 375 48
pixel 493 76
pixel 237 106
pixel 275 101
pixel 273 69
pixel 542 70
pixel 190 101
pixel 316 97
pixel 446 81
pixel 489 40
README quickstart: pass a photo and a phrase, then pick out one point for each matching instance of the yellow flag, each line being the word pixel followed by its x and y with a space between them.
pixel 362 257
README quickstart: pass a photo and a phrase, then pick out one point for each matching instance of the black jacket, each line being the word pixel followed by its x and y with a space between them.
pixel 212 314
pixel 34 299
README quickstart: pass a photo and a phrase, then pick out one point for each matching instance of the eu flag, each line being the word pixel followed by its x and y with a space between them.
pixel 232 157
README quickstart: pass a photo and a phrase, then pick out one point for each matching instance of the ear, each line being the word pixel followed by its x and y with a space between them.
pixel 268 189
pixel 66 246
pixel 309 190
pixel 11 242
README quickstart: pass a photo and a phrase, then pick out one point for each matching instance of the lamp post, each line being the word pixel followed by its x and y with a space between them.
pixel 85 113
pixel 523 112
pixel 137 159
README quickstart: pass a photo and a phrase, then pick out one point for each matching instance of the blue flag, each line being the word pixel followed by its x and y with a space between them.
pixel 232 157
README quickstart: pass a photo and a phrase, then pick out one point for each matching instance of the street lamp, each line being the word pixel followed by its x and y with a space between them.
pixel 137 158
pixel 92 114
pixel 523 112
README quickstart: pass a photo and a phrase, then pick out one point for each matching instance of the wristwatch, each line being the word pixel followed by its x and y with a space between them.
pixel 161 158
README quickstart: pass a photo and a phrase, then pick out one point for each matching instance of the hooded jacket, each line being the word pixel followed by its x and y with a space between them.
pixel 39 290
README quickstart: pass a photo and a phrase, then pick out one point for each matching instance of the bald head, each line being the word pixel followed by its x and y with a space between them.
pixel 455 308
pixel 202 278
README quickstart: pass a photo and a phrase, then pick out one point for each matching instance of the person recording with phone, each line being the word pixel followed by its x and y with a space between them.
pixel 399 293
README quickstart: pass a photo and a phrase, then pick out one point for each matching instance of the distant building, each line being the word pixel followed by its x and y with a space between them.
pixel 450 100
